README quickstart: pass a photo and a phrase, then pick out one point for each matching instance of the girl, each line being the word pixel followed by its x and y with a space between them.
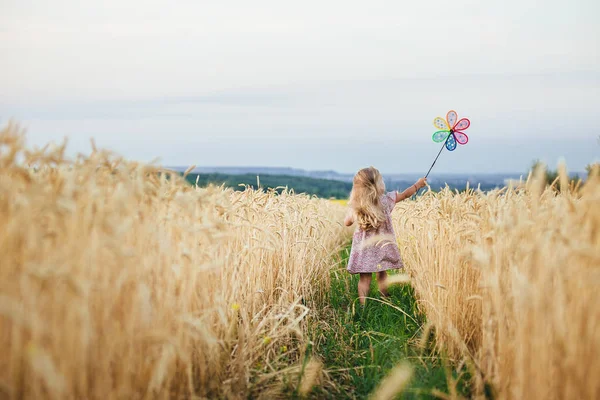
pixel 374 247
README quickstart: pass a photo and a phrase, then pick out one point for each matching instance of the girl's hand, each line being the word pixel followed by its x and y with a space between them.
pixel 421 183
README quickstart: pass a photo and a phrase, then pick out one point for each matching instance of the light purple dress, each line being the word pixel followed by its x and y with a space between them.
pixel 376 250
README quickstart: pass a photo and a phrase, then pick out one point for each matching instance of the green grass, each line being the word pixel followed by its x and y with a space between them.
pixel 360 345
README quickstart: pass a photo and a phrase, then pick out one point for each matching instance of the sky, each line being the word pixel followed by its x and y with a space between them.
pixel 319 85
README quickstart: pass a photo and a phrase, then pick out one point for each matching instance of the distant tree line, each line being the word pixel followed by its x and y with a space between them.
pixel 327 188
pixel 551 175
pixel 320 187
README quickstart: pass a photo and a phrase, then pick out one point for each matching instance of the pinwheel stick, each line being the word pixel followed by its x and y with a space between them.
pixel 440 152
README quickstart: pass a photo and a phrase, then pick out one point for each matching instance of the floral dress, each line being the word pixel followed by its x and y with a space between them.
pixel 376 250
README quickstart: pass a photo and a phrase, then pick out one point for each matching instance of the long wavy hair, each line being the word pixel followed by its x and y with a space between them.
pixel 365 196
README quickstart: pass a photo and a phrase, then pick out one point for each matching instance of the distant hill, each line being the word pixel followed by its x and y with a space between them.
pixel 287 171
pixel 325 188
pixel 286 176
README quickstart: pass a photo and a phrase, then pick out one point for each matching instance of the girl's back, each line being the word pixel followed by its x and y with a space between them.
pixel 374 247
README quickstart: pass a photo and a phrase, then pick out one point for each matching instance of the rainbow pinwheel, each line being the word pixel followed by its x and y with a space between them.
pixel 451 133
pixel 451 130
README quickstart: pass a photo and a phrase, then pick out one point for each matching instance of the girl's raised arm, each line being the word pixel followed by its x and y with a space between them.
pixel 411 190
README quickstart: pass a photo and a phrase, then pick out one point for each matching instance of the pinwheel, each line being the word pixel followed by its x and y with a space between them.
pixel 450 133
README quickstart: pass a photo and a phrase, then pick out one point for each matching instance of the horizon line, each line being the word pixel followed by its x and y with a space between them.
pixel 250 167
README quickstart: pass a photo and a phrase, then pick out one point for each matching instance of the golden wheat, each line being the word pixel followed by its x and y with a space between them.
pixel 509 281
pixel 394 383
pixel 119 280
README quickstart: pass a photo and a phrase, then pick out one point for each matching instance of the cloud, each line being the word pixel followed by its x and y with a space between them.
pixel 260 75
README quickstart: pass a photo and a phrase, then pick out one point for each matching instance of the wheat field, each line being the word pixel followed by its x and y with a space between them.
pixel 119 280
pixel 509 283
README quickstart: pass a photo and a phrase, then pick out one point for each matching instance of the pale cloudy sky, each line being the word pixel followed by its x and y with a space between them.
pixel 313 84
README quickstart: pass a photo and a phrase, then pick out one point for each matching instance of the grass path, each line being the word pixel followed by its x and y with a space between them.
pixel 360 345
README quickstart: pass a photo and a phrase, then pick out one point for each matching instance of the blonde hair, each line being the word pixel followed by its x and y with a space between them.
pixel 367 188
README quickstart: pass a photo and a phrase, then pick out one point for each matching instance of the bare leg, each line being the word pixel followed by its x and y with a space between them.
pixel 364 284
pixel 381 282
